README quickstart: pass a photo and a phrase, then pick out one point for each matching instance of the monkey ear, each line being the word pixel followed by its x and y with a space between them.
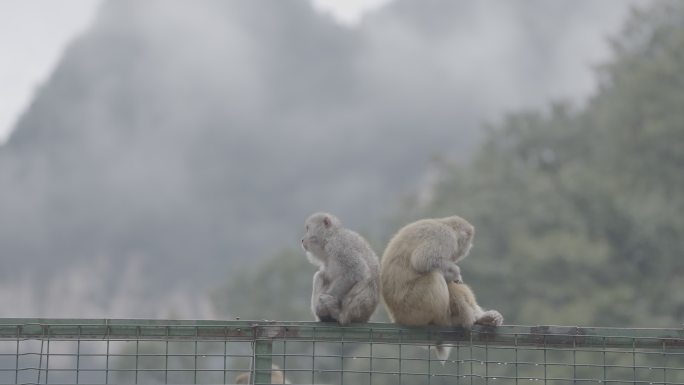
pixel 326 222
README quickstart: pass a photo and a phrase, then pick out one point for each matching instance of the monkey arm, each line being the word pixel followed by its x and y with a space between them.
pixel 328 302
pixel 319 286
pixel 345 267
pixel 320 308
pixel 340 287
pixel 436 255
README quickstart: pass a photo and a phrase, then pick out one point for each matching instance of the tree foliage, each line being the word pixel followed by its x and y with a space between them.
pixel 578 212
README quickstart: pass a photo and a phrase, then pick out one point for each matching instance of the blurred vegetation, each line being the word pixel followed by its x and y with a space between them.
pixel 279 289
pixel 578 210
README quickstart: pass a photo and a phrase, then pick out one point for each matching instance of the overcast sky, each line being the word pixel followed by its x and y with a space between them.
pixel 34 33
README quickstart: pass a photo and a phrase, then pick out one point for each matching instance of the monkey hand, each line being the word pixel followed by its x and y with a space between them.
pixel 452 273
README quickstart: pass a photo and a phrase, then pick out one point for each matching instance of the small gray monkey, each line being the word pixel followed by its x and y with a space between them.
pixel 346 288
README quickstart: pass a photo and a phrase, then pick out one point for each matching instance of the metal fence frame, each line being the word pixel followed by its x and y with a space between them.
pixel 263 334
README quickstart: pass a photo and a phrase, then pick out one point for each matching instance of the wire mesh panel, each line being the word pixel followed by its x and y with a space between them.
pixel 41 351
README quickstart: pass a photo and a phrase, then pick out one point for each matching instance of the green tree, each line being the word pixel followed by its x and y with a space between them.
pixel 579 211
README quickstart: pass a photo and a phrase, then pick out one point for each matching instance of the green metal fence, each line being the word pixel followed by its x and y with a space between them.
pixel 39 351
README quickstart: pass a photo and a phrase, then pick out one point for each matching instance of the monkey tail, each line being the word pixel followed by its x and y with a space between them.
pixel 442 352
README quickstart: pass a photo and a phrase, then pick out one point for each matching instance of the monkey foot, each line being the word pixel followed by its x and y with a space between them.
pixel 327 318
pixel 490 318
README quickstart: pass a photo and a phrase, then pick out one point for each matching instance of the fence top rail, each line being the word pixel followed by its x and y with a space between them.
pixel 507 335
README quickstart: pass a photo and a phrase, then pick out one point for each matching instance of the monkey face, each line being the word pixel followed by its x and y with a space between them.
pixel 311 243
pixel 317 228
pixel 314 249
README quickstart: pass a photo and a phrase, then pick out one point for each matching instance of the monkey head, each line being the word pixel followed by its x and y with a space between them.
pixel 465 232
pixel 319 227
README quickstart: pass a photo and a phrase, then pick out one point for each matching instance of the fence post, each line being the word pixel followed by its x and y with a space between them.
pixel 263 359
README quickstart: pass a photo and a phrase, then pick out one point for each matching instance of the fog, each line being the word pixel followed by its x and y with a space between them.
pixel 178 142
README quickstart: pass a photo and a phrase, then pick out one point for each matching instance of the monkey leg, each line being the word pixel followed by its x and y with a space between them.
pixel 328 305
pixel 322 313
pixel 319 310
pixel 463 308
pixel 490 318
pixel 326 318
pixel 360 302
pixel 466 312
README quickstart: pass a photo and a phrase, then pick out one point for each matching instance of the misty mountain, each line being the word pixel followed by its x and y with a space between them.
pixel 190 136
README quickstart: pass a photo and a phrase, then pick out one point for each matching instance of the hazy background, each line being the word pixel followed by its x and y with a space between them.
pixel 161 156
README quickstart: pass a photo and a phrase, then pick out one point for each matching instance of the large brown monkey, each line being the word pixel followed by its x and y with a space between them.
pixel 421 283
